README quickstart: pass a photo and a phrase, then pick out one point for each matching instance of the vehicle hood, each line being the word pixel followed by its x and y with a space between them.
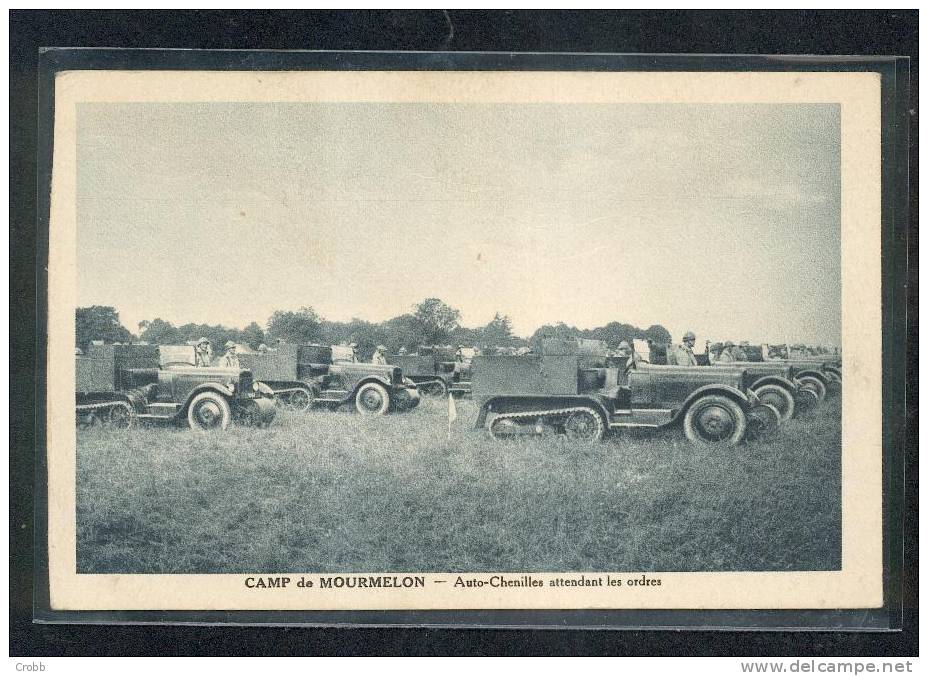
pixel 697 375
pixel 383 370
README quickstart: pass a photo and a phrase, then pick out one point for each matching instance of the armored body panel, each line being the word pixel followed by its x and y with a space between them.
pixel 279 364
pixel 529 375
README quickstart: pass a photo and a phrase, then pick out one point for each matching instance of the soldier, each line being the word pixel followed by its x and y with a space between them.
pixel 379 356
pixel 402 351
pixel 230 358
pixel 354 351
pixel 726 355
pixel 682 355
pixel 740 352
pixel 203 352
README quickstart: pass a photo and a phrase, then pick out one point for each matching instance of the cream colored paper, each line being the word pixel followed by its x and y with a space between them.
pixel 857 585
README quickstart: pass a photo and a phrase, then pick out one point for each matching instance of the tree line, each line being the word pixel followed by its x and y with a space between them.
pixel 430 322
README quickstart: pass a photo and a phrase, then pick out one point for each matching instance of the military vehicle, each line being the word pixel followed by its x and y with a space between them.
pixel 546 393
pixel 302 376
pixel 435 370
pixel 774 383
pixel 117 385
pixel 824 375
pixel 788 388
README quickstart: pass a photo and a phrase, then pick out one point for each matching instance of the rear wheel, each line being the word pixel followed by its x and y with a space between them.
pixel 715 419
pixel 119 417
pixel 87 420
pixel 778 397
pixel 436 389
pixel 504 428
pixel 372 399
pixel 816 384
pixel 585 425
pixel 209 411
pixel 300 399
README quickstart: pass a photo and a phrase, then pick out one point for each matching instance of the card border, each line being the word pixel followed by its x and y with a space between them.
pixel 894 77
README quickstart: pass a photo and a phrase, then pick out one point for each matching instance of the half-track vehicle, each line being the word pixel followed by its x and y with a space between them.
pixel 556 393
pixel 117 385
pixel 302 376
pixel 436 371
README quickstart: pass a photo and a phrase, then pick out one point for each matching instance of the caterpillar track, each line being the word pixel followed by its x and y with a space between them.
pixel 116 414
pixel 506 425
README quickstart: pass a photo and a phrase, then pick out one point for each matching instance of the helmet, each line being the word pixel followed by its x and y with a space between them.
pixel 230 345
pixel 624 345
pixel 203 340
pixel 728 343
pixel 381 347
pixel 689 335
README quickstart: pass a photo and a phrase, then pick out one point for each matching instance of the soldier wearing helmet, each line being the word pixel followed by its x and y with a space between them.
pixel 726 355
pixel 230 358
pixel 739 351
pixel 682 355
pixel 624 350
pixel 203 352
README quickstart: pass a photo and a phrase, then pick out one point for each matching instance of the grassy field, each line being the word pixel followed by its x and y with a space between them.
pixel 326 492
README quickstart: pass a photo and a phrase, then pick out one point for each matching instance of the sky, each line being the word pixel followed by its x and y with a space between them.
pixel 720 219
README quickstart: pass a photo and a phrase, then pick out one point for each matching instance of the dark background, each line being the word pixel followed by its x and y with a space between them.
pixel 706 32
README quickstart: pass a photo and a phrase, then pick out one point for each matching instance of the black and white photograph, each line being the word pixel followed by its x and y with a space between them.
pixel 465 340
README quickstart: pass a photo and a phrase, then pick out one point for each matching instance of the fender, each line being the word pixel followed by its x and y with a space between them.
pixel 725 390
pixel 815 373
pixel 775 380
pixel 836 370
pixel 218 388
pixel 546 402
pixel 373 379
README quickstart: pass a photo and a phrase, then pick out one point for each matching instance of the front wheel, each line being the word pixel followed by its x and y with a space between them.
pixel 209 411
pixel 778 397
pixel 715 419
pixel 372 399
pixel 765 422
pixel 816 384
pixel 806 400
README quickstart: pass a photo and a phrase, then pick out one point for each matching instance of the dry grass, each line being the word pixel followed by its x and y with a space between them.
pixel 325 492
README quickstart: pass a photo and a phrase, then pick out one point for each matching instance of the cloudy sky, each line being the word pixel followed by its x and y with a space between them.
pixel 721 219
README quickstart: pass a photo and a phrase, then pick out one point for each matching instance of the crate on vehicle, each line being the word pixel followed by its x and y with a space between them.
pixel 280 364
pixel 94 374
pixel 500 375
pixel 414 364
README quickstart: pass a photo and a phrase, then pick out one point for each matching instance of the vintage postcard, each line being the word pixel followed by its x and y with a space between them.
pixel 465 340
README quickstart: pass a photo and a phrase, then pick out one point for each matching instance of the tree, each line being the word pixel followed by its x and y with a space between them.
pixel 498 332
pixel 401 332
pixel 658 334
pixel 253 335
pixel 302 326
pixel 436 320
pixel 159 332
pixel 615 332
pixel 99 322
